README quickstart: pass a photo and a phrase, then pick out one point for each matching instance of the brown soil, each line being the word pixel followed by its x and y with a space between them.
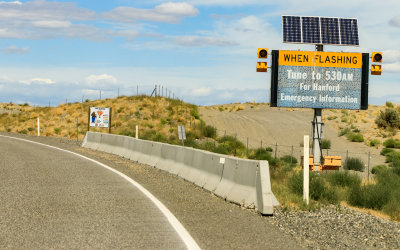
pixel 261 124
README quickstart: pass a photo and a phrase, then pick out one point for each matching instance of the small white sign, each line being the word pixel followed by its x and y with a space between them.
pixel 181 133
pixel 222 160
pixel 99 117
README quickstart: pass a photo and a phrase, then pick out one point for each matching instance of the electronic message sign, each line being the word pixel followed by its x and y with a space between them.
pixel 315 79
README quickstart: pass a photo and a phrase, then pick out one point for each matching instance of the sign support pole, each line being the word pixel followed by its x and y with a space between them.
pixel 88 120
pixel 317 128
pixel 109 124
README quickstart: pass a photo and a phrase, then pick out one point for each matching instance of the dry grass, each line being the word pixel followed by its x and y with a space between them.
pixel 159 114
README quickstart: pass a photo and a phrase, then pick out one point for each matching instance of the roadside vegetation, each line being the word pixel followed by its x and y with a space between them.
pixel 158 119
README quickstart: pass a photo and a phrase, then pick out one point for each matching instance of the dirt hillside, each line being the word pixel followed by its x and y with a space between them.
pixel 259 123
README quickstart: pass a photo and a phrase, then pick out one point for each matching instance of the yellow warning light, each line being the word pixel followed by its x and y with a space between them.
pixel 262 53
pixel 262 67
pixel 377 57
pixel 376 69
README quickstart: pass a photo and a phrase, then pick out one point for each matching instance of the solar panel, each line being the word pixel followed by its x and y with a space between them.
pixel 320 30
pixel 291 29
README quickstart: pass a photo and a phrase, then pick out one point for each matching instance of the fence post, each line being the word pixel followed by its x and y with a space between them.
pixel 393 164
pixel 306 169
pixel 261 144
pixel 38 126
pixel 276 149
pixel 137 90
pixel 347 154
pixel 291 156
pixel 235 143
pixel 247 147
pixel 369 157
pixel 77 129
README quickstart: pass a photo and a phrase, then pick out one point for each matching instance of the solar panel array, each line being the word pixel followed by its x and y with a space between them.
pixel 320 30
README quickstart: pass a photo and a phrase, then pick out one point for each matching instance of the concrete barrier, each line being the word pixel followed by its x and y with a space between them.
pixel 167 158
pixel 213 168
pixel 245 182
pixel 227 178
pixel 243 190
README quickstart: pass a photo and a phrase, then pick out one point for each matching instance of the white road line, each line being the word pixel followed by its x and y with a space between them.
pixel 179 228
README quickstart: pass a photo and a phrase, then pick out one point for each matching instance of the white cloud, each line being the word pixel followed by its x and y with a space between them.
pixel 179 9
pixel 52 24
pixel 15 50
pixel 43 20
pixel 168 12
pixel 100 80
pixel 391 68
pixel 38 81
pixel 202 41
pixel 395 21
pixel 201 91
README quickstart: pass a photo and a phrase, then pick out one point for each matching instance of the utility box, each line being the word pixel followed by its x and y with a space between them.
pixel 330 163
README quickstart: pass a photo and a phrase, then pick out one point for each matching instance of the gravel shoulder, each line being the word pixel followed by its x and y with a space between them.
pixel 217 224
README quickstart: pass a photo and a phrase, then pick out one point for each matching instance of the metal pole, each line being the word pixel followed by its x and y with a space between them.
pixel 109 125
pixel 276 149
pixel 137 89
pixel 317 129
pixel 137 132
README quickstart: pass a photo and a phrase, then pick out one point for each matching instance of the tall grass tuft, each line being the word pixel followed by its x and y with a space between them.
pixel 355 164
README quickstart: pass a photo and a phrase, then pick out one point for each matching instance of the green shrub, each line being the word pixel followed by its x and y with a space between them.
pixel 210 131
pixel 231 144
pixel 378 169
pixel 355 164
pixel 388 119
pixel 269 149
pixel 386 151
pixel 344 131
pixel 24 131
pixel 355 137
pixel 373 196
pixel 220 109
pixel 389 104
pixel 319 188
pixel 341 178
pixel 260 154
pixel 195 113
pixel 325 144
pixel 392 143
pixel 389 157
pixel 332 117
pixel 374 143
pixel 289 159
pixel 57 131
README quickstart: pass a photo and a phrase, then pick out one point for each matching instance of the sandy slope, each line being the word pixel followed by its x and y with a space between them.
pixel 285 127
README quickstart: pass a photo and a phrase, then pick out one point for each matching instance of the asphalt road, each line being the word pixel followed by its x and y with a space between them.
pixel 53 199
pixel 70 204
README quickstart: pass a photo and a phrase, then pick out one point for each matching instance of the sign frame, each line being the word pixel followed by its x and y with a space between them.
pixel 109 119
pixel 275 84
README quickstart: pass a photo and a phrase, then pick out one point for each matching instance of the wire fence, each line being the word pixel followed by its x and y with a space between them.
pixel 135 90
pixel 278 150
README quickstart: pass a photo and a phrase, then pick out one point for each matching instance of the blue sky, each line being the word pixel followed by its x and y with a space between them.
pixel 202 50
